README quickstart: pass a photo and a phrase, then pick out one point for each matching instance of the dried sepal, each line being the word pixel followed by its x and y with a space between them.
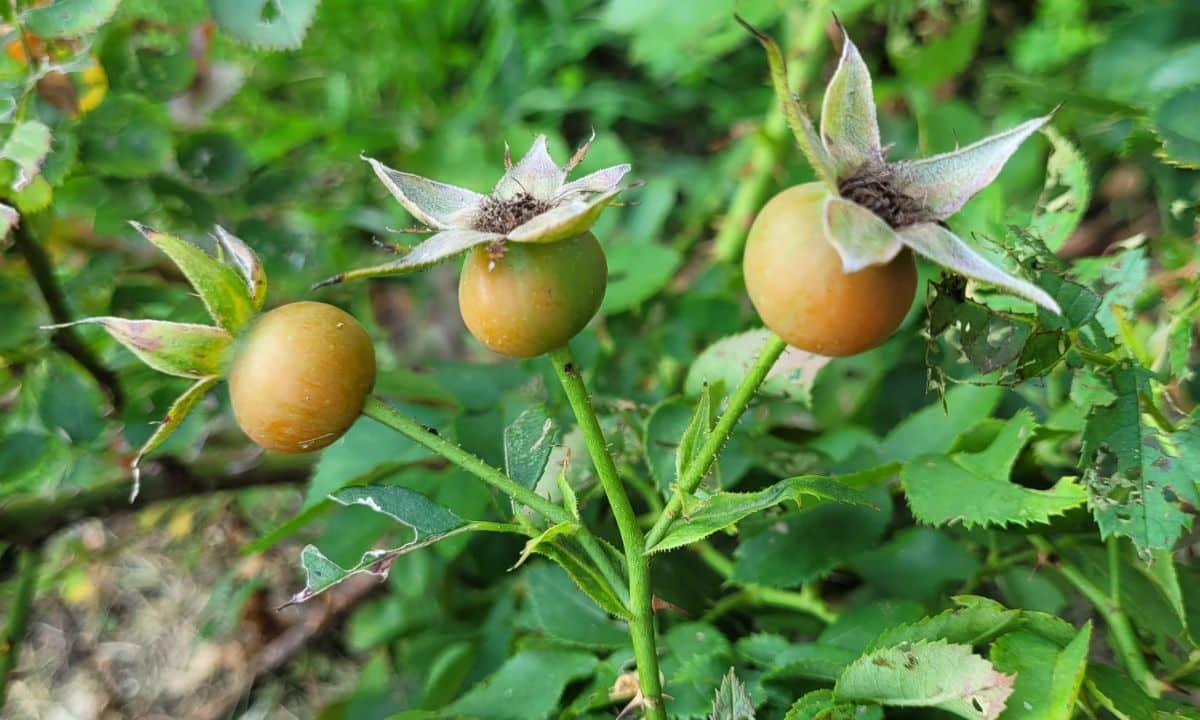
pixel 442 246
pixel 180 349
pixel 536 174
pixel 849 128
pixel 247 263
pixel 564 221
pixel 179 410
pixel 944 183
pixel 860 237
pixel 798 120
pixel 948 250
pixel 433 203
pixel 222 290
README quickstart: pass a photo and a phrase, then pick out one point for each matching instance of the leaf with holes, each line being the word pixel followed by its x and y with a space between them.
pixel 429 522
pixel 928 674
pixel 1141 481
pixel 1066 193
pixel 265 24
pixel 528 441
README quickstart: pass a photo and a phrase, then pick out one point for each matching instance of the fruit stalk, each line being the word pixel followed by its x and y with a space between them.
pixel 18 616
pixel 807 35
pixel 641 623
pixel 690 479
pixel 380 411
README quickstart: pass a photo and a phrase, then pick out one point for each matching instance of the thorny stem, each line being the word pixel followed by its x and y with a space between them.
pixel 698 467
pixel 380 411
pixel 18 616
pixel 641 622
pixel 1124 641
pixel 66 338
pixel 772 141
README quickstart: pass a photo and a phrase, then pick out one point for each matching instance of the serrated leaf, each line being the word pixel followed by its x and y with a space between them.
pixel 526 687
pixel 724 509
pixel 944 183
pixel 1048 678
pixel 934 428
pixel 69 18
pixel 224 293
pixel 565 613
pixel 943 489
pixel 781 660
pixel 528 441
pixel 1066 193
pixel 698 428
pixel 729 359
pixel 936 674
pixel 1150 494
pixel 821 705
pixel 266 24
pixel 804 546
pixel 732 702
pixel 429 522
pixel 27 146
pixel 181 349
pixel 976 621
pixel 948 250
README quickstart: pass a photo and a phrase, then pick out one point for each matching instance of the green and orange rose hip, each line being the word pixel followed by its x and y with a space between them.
pixel 828 264
pixel 298 375
pixel 534 274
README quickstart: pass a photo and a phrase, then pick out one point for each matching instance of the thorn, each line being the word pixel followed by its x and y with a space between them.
pixel 762 37
pixel 657 603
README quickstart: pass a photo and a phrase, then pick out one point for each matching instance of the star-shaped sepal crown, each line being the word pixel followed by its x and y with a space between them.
pixel 876 208
pixel 532 203
pixel 232 285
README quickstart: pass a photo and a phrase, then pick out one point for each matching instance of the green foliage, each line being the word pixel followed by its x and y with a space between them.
pixel 933 527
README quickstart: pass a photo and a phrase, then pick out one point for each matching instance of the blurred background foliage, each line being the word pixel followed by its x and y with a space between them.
pixel 254 114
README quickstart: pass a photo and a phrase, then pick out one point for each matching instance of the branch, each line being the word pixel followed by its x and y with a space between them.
pixel 29 520
pixel 18 617
pixel 65 338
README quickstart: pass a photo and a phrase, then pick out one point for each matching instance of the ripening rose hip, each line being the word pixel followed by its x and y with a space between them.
pixel 300 376
pixel 534 297
pixel 797 284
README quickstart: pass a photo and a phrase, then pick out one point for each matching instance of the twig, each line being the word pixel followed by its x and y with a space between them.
pixel 65 338
pixel 27 521
pixel 18 616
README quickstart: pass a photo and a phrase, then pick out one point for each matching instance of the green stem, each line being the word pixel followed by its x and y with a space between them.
pixel 66 338
pixel 18 616
pixel 698 467
pixel 1124 641
pixel 806 36
pixel 380 411
pixel 641 623
pixel 806 600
